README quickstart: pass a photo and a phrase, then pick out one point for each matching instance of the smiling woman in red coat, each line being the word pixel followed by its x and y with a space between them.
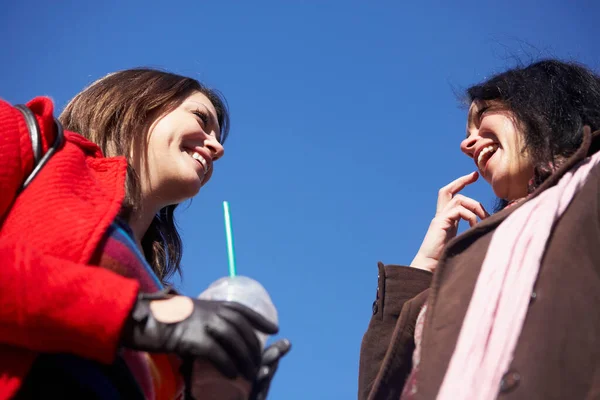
pixel 87 245
pixel 509 308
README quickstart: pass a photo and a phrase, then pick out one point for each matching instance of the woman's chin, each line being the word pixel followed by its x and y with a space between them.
pixel 499 189
pixel 193 188
pixel 185 190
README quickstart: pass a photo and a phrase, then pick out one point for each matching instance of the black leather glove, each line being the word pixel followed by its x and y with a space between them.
pixel 270 362
pixel 220 332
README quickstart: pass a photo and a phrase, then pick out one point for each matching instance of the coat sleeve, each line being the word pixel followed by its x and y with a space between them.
pixel 401 292
pixel 52 305
pixel 49 304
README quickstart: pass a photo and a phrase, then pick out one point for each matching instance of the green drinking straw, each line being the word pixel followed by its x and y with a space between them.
pixel 229 234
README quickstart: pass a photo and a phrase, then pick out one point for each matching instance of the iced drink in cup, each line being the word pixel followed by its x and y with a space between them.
pixel 208 383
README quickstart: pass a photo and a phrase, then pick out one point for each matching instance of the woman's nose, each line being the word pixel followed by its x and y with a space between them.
pixel 216 149
pixel 468 145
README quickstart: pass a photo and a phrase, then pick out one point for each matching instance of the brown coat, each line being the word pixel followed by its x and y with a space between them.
pixel 558 352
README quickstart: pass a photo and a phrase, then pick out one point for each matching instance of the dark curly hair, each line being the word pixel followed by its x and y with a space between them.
pixel 552 101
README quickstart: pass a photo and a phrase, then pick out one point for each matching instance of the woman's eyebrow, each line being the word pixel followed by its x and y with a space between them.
pixel 213 118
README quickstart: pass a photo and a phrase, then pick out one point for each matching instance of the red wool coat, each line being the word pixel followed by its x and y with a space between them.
pixel 50 300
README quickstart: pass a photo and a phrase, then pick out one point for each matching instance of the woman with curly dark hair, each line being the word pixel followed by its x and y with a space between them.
pixel 509 307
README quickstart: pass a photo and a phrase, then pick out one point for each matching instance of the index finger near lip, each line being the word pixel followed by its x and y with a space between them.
pixel 445 194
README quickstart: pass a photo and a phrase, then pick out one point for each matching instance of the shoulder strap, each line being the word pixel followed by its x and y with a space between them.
pixel 39 159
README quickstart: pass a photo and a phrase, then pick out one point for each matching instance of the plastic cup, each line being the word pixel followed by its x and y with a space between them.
pixel 208 383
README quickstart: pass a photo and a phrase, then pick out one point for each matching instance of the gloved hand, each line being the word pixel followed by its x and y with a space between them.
pixel 270 362
pixel 220 332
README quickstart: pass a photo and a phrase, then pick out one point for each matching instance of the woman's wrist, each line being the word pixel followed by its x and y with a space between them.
pixel 424 263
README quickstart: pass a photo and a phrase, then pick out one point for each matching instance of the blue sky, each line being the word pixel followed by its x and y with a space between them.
pixel 345 123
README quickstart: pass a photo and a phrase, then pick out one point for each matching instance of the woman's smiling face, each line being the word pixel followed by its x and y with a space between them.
pixel 496 144
pixel 181 148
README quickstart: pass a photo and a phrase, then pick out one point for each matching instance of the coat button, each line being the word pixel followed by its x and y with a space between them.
pixel 375 307
pixel 532 297
pixel 509 381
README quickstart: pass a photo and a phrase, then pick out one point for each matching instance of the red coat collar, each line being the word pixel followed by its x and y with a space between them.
pixel 79 191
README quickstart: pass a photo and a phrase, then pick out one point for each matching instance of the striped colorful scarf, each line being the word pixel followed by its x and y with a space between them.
pixel 156 374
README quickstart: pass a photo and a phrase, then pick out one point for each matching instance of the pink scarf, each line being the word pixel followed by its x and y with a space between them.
pixel 495 316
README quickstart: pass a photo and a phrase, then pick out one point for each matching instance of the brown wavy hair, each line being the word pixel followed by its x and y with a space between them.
pixel 116 113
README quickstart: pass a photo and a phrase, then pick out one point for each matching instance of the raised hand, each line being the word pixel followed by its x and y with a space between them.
pixel 451 208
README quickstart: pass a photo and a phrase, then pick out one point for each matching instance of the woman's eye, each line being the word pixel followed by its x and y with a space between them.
pixel 202 117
